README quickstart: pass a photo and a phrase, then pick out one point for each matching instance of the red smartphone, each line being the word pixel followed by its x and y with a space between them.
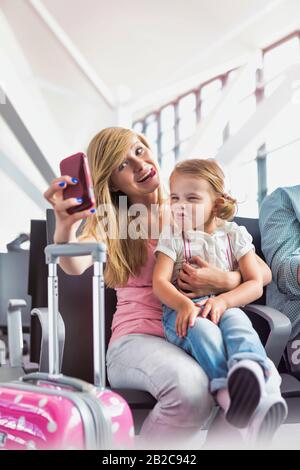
pixel 77 166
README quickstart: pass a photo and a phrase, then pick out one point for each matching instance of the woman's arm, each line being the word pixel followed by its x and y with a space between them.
pixel 207 280
pixel 212 280
pixel 252 287
pixel 162 286
pixel 265 271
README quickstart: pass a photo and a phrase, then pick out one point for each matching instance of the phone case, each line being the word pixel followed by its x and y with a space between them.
pixel 77 166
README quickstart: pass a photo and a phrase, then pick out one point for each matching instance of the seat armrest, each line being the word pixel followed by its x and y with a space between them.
pixel 42 315
pixel 280 330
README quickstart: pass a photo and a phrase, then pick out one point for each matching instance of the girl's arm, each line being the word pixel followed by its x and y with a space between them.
pixel 265 271
pixel 252 287
pixel 162 286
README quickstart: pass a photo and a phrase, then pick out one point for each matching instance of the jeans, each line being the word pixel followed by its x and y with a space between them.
pixel 218 347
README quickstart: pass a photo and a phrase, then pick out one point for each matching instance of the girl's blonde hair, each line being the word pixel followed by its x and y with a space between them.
pixel 209 170
pixel 105 153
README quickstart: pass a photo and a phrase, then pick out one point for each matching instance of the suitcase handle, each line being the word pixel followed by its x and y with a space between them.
pixel 98 252
pixel 76 384
pixel 54 251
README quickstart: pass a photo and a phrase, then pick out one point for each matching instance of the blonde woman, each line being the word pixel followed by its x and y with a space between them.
pixel 138 355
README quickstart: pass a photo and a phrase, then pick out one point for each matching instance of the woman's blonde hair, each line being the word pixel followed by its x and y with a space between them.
pixel 105 153
pixel 209 170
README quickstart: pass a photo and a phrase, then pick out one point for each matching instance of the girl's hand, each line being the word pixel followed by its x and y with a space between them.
pixel 66 223
pixel 186 318
pixel 213 306
pixel 207 280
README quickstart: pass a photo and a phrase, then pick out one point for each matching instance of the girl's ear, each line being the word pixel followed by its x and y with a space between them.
pixel 219 201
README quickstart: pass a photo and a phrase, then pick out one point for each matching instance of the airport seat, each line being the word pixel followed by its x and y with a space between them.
pixel 75 305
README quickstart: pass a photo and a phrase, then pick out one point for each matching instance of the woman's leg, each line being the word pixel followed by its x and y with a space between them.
pixel 204 342
pixel 178 383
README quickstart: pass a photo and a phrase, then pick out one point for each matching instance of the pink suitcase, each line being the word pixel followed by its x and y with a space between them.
pixel 53 411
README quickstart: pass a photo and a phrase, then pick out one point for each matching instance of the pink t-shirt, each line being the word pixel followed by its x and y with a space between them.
pixel 138 310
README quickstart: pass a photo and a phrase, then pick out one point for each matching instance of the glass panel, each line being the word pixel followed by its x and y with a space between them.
pixel 187 105
pixel 154 148
pixel 167 141
pixel 273 85
pixel 138 126
pixel 231 75
pixel 283 136
pixel 167 165
pixel 152 131
pixel 182 148
pixel 242 183
pixel 209 95
pixel 281 57
pixel 280 174
pixel 187 126
pixel 242 113
pixel 249 83
pixel 150 118
pixel 167 117
pixel 211 89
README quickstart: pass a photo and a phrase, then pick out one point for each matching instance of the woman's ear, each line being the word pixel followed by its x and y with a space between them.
pixel 113 188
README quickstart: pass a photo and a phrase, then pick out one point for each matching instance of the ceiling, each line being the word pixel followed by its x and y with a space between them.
pixel 141 44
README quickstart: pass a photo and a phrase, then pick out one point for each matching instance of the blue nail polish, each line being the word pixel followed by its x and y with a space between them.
pixel 62 184
pixel 74 180
pixel 92 211
pixel 79 199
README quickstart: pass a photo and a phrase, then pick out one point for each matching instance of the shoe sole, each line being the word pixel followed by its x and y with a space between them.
pixel 245 394
pixel 275 416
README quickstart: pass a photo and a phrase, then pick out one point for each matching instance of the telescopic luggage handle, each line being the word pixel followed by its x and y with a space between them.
pixel 70 382
pixel 98 252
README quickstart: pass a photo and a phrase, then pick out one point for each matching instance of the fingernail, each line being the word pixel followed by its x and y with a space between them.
pixel 79 199
pixel 62 184
pixel 92 211
pixel 74 180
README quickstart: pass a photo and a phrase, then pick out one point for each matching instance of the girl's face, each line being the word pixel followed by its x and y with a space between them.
pixel 137 175
pixel 192 201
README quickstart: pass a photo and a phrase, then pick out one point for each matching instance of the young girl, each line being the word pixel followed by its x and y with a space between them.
pixel 212 329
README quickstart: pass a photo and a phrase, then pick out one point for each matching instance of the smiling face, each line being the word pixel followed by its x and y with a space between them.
pixel 136 175
pixel 192 202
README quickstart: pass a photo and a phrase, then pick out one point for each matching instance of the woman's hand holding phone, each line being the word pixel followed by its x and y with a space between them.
pixel 66 224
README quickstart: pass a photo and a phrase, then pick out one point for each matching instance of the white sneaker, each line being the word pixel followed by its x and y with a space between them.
pixel 270 414
pixel 246 386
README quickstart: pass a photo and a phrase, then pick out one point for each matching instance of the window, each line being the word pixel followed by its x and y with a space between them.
pixel 242 113
pixel 151 128
pixel 187 116
pixel 209 96
pixel 277 60
pixel 171 127
pixel 168 141
pixel 167 118
pixel 138 127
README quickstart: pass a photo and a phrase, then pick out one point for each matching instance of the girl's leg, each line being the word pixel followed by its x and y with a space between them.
pixel 252 376
pixel 178 383
pixel 204 342
pixel 241 340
